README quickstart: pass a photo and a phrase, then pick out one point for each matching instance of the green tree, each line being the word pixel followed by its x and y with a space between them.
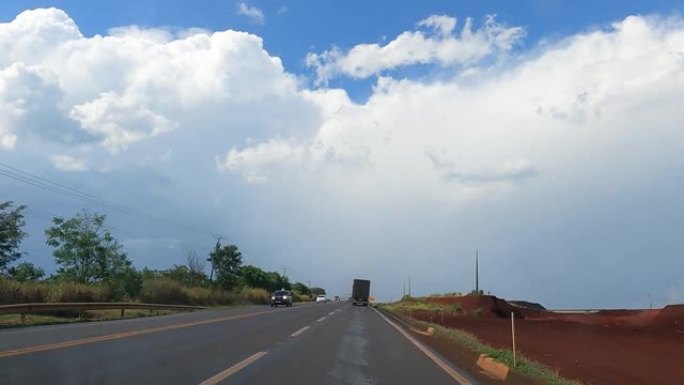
pixel 11 233
pixel 317 291
pixel 126 283
pixel 26 272
pixel 226 262
pixel 148 273
pixel 85 249
pixel 277 281
pixel 184 275
pixel 301 288
pixel 195 266
pixel 252 276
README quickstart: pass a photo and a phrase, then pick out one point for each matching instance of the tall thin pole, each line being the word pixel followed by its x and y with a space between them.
pixel 403 289
pixel 211 260
pixel 477 273
pixel 513 335
pixel 409 285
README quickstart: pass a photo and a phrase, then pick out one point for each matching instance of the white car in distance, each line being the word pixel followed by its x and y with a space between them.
pixel 321 298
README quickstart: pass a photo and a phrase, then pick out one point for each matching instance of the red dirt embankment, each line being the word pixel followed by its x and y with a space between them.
pixel 609 347
pixel 485 305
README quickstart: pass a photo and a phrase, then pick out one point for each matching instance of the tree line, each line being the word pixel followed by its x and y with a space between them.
pixel 86 252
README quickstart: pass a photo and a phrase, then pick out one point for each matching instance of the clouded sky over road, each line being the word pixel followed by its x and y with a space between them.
pixel 363 140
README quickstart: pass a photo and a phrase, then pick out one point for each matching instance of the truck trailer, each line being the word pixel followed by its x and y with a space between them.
pixel 360 292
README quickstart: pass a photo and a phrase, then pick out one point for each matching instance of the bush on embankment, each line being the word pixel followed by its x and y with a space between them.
pixel 156 290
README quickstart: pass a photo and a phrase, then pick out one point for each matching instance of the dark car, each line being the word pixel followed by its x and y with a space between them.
pixel 281 297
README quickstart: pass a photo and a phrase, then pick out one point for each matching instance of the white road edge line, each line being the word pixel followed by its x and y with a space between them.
pixel 331 313
pixel 233 369
pixel 443 365
pixel 300 331
pixel 320 319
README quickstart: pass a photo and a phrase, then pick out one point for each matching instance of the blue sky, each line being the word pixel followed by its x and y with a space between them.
pixel 363 139
pixel 293 29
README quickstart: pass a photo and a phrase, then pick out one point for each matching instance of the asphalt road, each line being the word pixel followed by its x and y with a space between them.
pixel 309 344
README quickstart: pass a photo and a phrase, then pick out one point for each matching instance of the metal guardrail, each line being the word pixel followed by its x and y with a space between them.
pixel 23 308
pixel 592 311
pixel 575 311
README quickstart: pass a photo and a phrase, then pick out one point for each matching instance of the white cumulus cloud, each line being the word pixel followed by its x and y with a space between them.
pixel 597 91
pixel 69 163
pixel 133 84
pixel 438 46
pixel 121 120
pixel 555 158
pixel 255 14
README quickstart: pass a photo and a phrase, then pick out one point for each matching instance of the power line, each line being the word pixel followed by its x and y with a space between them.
pixel 135 236
pixel 38 181
pixel 59 188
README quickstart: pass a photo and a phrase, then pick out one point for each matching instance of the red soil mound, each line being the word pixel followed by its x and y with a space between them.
pixel 671 316
pixel 607 347
pixel 491 306
pixel 484 305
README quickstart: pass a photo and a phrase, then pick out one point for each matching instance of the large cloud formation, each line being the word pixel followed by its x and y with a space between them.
pixel 561 162
pixel 438 45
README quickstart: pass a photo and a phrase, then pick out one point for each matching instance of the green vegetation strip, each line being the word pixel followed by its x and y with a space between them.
pixel 524 365
pixel 93 267
pixel 14 320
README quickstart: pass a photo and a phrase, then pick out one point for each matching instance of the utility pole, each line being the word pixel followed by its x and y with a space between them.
pixel 477 273
pixel 211 260
pixel 403 285
pixel 284 277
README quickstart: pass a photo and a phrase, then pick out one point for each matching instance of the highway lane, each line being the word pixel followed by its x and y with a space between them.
pixel 356 346
pixel 185 355
pixel 310 344
pixel 23 337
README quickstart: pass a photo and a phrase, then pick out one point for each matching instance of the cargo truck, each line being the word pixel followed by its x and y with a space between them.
pixel 360 292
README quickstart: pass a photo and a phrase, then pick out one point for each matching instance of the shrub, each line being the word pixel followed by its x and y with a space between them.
pixel 164 291
pixel 126 284
pixel 206 297
pixel 24 292
pixel 167 291
pixel 78 292
pixel 256 296
pixel 302 297
pixel 17 292
pixel 455 308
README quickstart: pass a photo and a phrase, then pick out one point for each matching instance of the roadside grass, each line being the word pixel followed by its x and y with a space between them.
pixel 14 320
pixel 524 365
pixel 154 290
pixel 414 304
